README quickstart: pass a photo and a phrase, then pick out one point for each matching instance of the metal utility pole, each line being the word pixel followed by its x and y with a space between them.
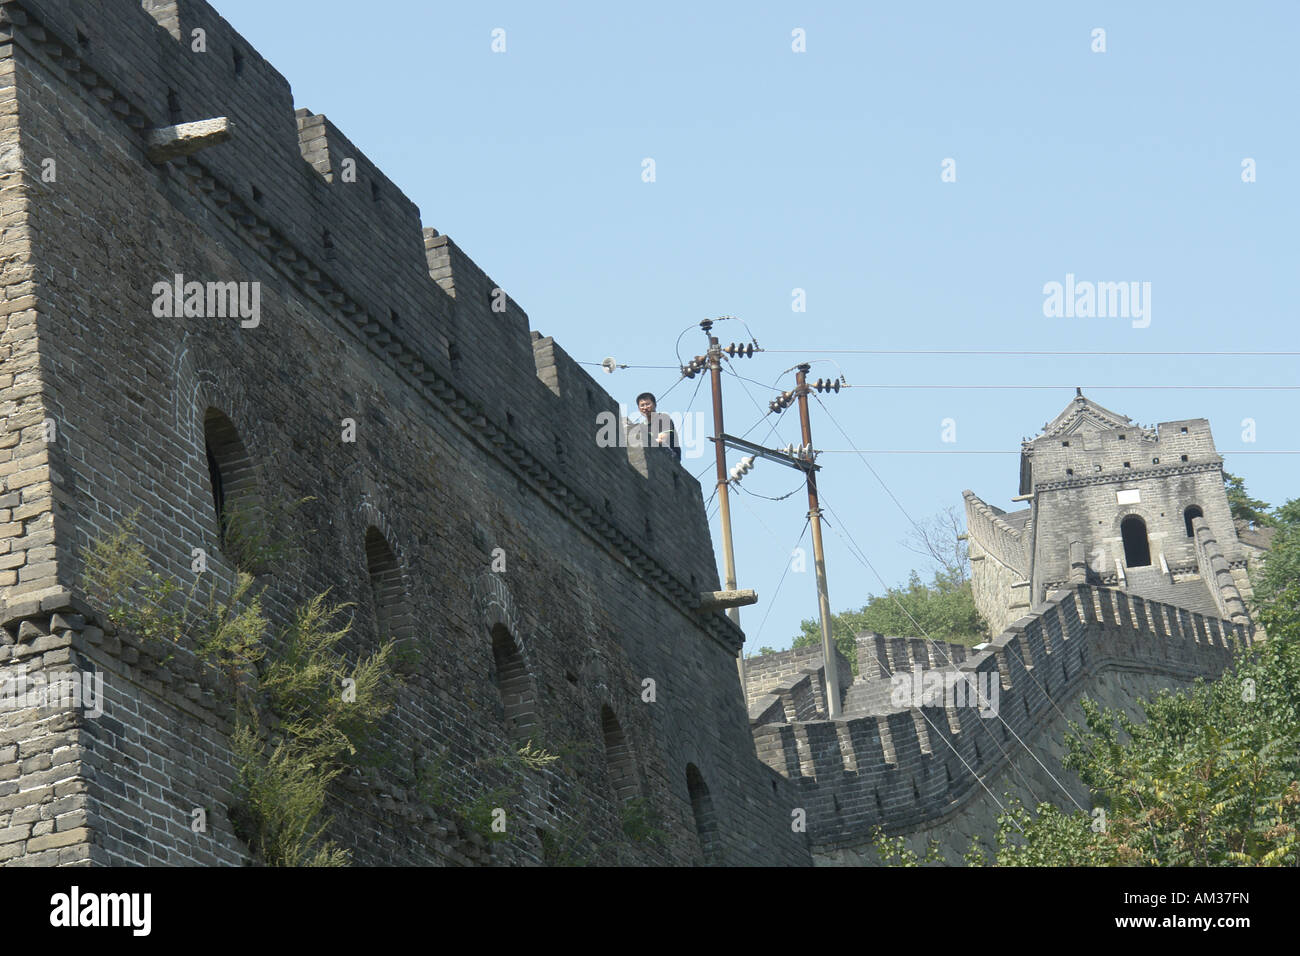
pixel 819 559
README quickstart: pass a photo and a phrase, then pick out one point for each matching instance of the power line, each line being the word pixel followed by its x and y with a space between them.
pixel 1001 386
pixel 777 592
pixel 620 365
pixel 862 557
pixel 1091 388
pixel 835 422
pixel 1005 451
pixel 817 351
pixel 974 773
pixel 769 497
pixel 772 429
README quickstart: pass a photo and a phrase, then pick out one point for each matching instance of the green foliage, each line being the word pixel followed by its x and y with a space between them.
pixel 893 851
pixel 480 813
pixel 1209 779
pixel 1049 837
pixel 535 758
pixel 302 714
pixel 250 535
pixel 438 785
pixel 943 609
pixel 118 577
pixel 282 794
pixel 642 822
pixel 1277 583
pixel 1242 505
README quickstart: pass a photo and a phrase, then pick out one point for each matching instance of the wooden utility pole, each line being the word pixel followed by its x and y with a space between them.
pixel 724 504
pixel 819 560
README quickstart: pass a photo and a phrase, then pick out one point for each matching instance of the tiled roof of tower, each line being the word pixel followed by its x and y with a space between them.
pixel 1081 412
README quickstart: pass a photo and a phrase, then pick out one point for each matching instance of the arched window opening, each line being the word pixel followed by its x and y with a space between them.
pixel 706 821
pixel 1191 514
pixel 233 482
pixel 1137 549
pixel 392 610
pixel 518 696
pixel 618 757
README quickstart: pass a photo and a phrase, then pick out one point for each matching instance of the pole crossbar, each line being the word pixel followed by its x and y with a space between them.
pixel 771 454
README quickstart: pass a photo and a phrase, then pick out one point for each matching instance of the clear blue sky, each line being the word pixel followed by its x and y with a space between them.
pixel 820 170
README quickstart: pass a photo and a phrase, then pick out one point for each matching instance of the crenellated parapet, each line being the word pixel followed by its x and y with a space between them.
pixel 1217 573
pixel 906 766
pixel 303 207
pixel 987 525
pixel 791 685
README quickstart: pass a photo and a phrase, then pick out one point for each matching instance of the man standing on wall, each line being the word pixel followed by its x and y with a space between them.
pixel 659 427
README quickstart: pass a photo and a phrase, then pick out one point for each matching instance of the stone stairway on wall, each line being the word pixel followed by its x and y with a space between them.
pixel 1154 585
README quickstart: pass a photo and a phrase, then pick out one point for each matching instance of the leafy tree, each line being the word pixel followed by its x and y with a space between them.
pixel 1211 778
pixel 1243 506
pixel 944 609
pixel 1277 583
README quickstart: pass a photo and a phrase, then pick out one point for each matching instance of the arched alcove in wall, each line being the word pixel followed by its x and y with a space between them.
pixel 233 484
pixel 706 821
pixel 518 695
pixel 1137 547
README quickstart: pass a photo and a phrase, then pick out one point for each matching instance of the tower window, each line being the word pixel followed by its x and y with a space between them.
pixel 1191 514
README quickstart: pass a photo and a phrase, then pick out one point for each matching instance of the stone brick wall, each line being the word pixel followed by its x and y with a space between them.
pixel 472 433
pixel 1084 506
pixel 999 564
pixel 1214 568
pixel 1031 775
pixel 911 770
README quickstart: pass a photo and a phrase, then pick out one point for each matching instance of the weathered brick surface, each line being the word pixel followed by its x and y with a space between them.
pixel 1089 471
pixel 472 433
pixel 927 771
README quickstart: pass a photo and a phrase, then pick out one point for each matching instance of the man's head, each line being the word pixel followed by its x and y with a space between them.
pixel 646 402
